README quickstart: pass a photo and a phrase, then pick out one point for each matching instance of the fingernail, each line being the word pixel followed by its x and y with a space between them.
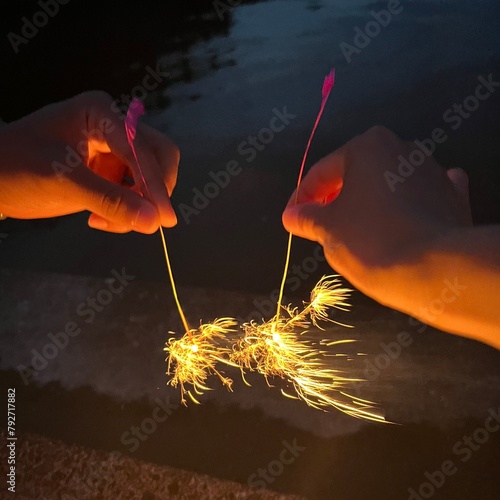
pixel 146 218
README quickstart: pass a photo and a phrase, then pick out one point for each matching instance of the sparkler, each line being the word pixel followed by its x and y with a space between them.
pixel 280 348
pixel 196 355
pixel 193 357
pixel 284 347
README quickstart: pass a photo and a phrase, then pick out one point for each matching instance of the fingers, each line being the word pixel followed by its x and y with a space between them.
pixel 116 208
pixel 155 188
pixel 109 167
pixel 305 211
pixel 166 152
pixel 327 189
pixel 323 183
pixel 148 156
pixel 98 222
pixel 304 221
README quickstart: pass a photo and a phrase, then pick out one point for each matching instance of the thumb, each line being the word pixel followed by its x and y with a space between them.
pixel 306 220
pixel 115 208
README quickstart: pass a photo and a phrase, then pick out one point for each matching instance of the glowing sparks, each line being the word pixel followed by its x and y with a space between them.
pixel 283 347
pixel 193 358
pixel 327 294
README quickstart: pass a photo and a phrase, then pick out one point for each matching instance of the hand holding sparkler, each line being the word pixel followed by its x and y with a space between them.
pixel 402 241
pixel 73 155
pixel 280 347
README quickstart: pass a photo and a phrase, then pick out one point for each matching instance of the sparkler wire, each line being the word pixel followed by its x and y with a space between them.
pixel 136 109
pixel 327 87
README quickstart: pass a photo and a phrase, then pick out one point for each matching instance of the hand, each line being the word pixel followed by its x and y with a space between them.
pixel 367 229
pixel 73 156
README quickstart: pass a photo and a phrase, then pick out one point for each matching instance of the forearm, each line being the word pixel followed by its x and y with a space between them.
pixel 453 285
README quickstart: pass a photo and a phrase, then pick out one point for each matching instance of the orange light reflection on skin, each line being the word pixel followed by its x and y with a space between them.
pixel 104 163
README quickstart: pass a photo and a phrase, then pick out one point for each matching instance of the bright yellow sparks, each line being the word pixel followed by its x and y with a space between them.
pixel 281 348
pixel 276 348
pixel 327 294
pixel 193 358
